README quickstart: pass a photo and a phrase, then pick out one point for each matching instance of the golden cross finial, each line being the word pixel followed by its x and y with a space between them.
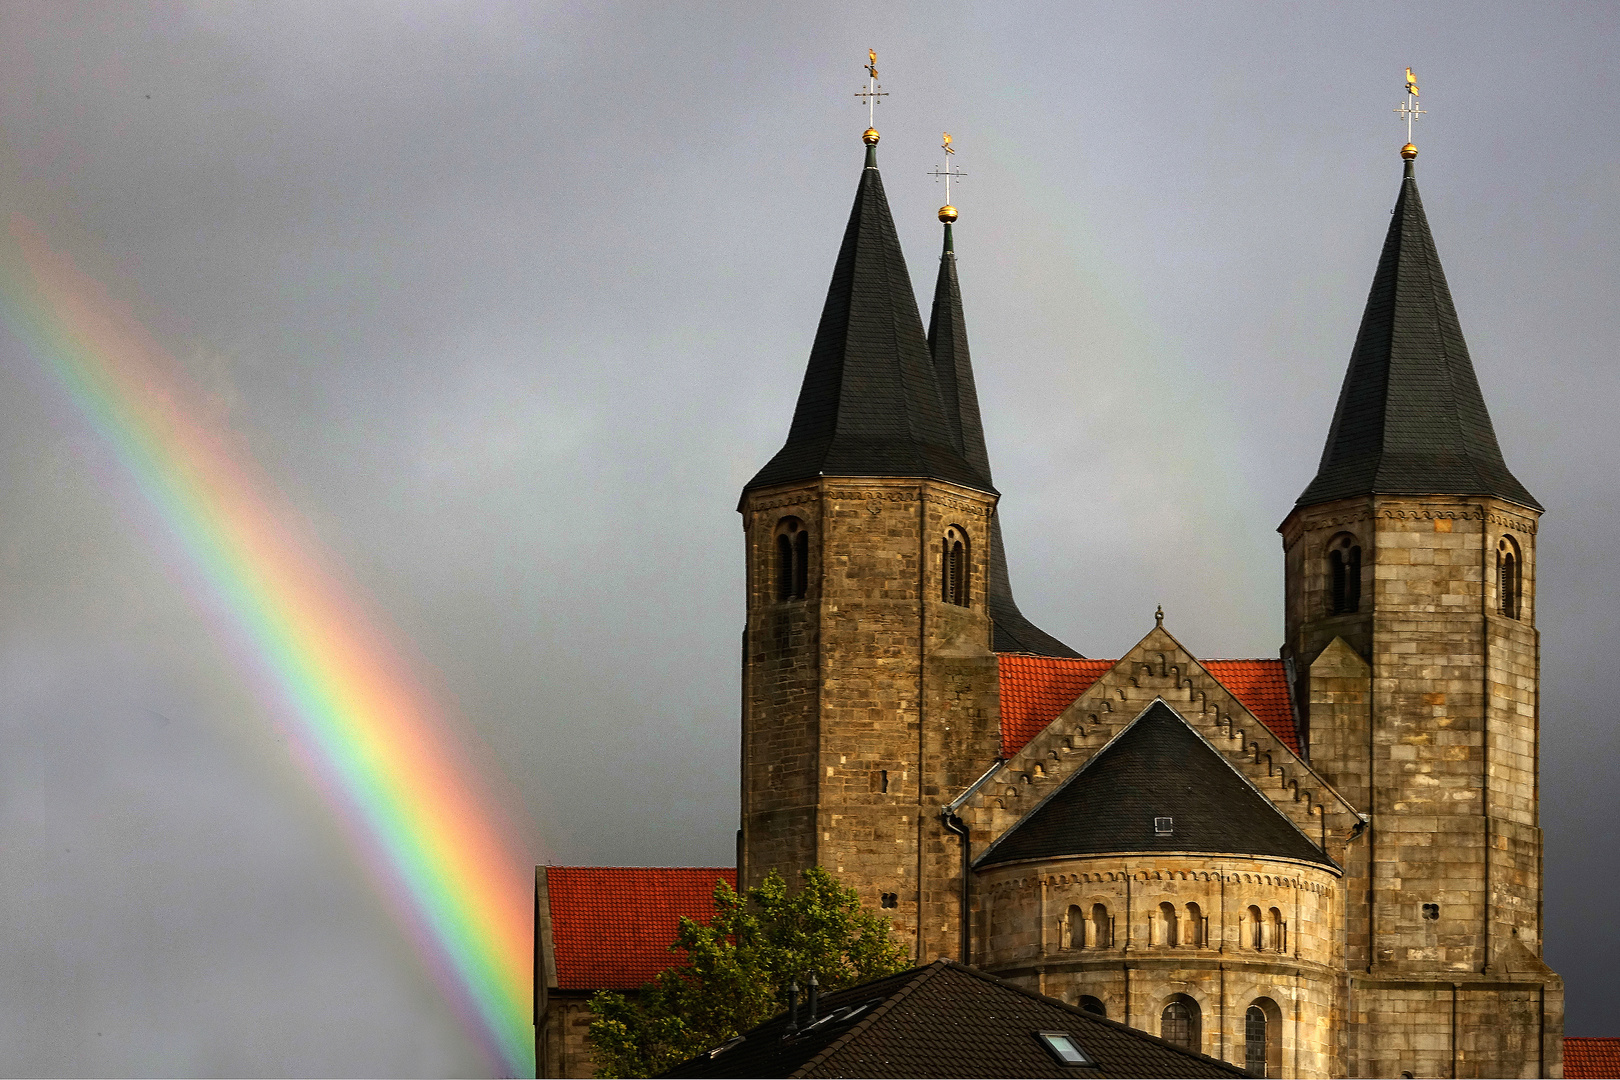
pixel 1408 108
pixel 872 92
pixel 947 172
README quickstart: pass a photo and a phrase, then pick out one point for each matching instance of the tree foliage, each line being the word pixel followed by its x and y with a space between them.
pixel 737 969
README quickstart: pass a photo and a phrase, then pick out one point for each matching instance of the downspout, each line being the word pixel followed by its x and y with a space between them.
pixel 954 824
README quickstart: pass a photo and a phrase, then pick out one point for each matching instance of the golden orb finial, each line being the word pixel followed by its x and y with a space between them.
pixel 947 213
pixel 1409 151
pixel 870 136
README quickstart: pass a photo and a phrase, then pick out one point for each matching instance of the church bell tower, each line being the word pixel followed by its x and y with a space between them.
pixel 869 680
pixel 1411 623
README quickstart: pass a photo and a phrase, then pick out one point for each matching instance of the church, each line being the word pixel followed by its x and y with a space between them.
pixel 1322 864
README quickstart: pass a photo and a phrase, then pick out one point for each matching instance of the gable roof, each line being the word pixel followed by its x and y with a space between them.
pixel 611 926
pixel 1411 419
pixel 946 1020
pixel 1036 690
pixel 1591 1057
pixel 870 403
pixel 1157 767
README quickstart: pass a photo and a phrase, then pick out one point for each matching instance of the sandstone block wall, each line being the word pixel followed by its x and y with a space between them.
pixel 564 1037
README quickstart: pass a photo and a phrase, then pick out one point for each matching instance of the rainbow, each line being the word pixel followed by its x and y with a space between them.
pixel 453 871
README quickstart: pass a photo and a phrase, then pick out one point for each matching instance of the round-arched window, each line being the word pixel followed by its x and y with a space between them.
pixel 954 567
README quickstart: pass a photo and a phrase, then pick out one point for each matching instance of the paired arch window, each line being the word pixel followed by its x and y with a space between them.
pixel 1344 575
pixel 1262 1038
pixel 1264 931
pixel 954 568
pixel 1179 1023
pixel 1509 571
pixel 792 559
pixel 1088 930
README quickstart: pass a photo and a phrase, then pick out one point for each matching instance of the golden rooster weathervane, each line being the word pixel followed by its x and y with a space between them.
pixel 1408 110
pixel 947 172
pixel 872 92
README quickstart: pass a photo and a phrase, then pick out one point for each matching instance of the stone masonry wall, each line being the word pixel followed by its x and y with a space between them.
pixel 1125 953
pixel 876 697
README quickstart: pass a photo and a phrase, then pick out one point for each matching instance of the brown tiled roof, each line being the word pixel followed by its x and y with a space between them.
pixel 1036 689
pixel 947 1020
pixel 611 926
pixel 1587 1057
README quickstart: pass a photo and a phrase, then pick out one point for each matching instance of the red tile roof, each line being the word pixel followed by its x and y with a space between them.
pixel 1036 689
pixel 611 926
pixel 1262 686
pixel 1587 1057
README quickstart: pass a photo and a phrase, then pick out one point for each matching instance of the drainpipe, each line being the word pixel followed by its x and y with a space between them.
pixel 954 824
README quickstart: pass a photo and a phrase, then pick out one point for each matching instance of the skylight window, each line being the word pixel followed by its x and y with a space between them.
pixel 1062 1045
pixel 1163 826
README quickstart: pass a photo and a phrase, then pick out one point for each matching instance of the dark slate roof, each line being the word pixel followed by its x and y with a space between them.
pixel 948 1020
pixel 869 404
pixel 1157 767
pixel 1411 419
pixel 953 368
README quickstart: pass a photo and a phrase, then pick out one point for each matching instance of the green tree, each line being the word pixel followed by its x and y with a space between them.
pixel 737 969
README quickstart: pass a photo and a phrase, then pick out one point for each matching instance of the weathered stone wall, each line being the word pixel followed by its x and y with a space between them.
pixel 1131 957
pixel 563 1047
pixel 1474 1026
pixel 868 698
pixel 1437 744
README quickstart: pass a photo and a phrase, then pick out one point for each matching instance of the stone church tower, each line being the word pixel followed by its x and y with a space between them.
pixel 1410 619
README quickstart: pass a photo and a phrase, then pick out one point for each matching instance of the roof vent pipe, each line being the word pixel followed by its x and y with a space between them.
pixel 815 997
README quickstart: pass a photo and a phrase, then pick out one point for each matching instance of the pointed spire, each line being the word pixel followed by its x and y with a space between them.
pixel 953 368
pixel 869 404
pixel 1411 419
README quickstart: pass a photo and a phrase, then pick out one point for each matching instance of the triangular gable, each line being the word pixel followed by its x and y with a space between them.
pixel 1156 786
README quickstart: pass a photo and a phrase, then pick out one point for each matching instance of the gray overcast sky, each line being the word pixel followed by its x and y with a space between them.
pixel 511 299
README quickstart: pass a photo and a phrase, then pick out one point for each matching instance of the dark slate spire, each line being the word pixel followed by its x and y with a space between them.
pixel 869 404
pixel 1411 419
pixel 948 344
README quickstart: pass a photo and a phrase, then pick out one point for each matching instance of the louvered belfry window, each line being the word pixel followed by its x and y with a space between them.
pixel 954 568
pixel 792 559
pixel 1507 577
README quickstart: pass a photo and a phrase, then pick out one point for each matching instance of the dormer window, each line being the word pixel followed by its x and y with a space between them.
pixel 792 559
pixel 954 565
pixel 1344 575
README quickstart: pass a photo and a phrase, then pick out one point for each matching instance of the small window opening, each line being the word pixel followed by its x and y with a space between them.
pixel 1164 826
pixel 1277 931
pixel 883 781
pixel 1094 1006
pixel 954 567
pixel 1256 929
pixel 889 900
pixel 1179 1023
pixel 1507 577
pixel 792 559
pixel 1344 572
pixel 1431 911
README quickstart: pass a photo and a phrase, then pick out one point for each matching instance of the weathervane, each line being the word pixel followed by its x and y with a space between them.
pixel 873 90
pixel 947 172
pixel 1408 108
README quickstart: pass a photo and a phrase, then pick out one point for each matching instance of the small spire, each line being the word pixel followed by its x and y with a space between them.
pixel 1158 616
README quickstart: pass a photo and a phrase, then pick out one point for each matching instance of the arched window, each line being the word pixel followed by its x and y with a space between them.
pixel 792 559
pixel 1101 931
pixel 953 570
pixel 1164 926
pixel 1179 1022
pixel 1277 931
pixel 1256 928
pixel 1508 570
pixel 1192 930
pixel 1093 1005
pixel 1344 574
pixel 1262 1038
pixel 1074 928
pixel 1254 1041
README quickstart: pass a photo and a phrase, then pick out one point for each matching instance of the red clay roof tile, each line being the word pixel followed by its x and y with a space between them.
pixel 1036 689
pixel 611 926
pixel 1591 1057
